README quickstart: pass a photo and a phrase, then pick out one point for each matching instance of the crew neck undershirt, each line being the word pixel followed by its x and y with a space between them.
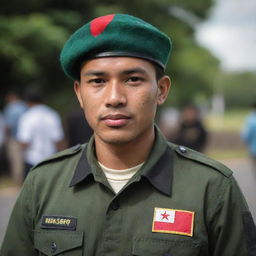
pixel 119 178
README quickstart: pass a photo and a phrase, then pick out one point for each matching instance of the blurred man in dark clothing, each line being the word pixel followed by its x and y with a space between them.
pixel 191 132
pixel 76 122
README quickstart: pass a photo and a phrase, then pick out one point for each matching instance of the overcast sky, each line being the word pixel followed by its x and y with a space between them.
pixel 230 33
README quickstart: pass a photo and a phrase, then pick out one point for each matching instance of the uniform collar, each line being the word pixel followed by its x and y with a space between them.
pixel 83 169
pixel 157 169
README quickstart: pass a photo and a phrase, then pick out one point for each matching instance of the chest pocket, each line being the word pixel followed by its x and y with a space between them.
pixel 159 247
pixel 59 243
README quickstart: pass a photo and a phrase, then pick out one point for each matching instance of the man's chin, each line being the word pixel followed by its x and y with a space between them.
pixel 116 138
pixel 116 141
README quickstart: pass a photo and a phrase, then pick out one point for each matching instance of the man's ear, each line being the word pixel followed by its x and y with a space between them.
pixel 77 89
pixel 164 84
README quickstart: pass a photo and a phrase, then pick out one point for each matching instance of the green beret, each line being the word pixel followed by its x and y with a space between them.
pixel 114 35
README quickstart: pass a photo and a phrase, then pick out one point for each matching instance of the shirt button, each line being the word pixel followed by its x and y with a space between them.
pixel 54 247
pixel 115 205
pixel 182 149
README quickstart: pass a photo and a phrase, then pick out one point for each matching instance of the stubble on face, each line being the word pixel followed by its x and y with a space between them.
pixel 125 135
pixel 140 101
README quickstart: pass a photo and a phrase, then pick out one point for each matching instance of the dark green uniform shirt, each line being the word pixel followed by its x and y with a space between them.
pixel 179 204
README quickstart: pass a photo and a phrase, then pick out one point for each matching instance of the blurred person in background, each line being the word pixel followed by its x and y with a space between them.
pixel 76 122
pixel 2 131
pixel 15 107
pixel 2 140
pixel 249 134
pixel 40 131
pixel 191 131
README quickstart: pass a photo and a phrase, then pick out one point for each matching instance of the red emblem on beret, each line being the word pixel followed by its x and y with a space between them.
pixel 99 24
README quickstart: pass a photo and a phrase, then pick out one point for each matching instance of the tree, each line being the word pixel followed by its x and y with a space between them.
pixel 239 89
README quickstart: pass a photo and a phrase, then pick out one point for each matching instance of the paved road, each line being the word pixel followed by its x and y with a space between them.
pixel 7 199
pixel 242 168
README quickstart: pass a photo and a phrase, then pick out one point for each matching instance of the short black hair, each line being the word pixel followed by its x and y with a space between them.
pixel 33 94
pixel 159 71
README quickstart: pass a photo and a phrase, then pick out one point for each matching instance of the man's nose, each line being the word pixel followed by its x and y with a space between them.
pixel 115 96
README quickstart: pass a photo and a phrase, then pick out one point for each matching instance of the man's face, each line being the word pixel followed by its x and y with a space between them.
pixel 119 96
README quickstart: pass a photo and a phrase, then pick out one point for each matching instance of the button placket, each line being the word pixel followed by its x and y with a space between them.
pixel 112 228
pixel 114 205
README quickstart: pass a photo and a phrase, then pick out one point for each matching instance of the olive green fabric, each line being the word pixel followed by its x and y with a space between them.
pixel 114 35
pixel 67 207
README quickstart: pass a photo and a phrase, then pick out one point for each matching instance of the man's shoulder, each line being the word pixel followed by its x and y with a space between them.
pixel 72 152
pixel 26 116
pixel 196 159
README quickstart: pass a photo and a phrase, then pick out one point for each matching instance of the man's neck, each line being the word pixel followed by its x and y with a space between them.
pixel 123 156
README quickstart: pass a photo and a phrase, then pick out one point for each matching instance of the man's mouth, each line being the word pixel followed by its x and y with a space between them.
pixel 116 120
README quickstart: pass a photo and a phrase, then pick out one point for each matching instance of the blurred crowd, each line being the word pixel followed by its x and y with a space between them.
pixel 31 131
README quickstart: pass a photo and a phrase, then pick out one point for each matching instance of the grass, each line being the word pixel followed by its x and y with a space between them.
pixel 6 182
pixel 232 120
pixel 227 154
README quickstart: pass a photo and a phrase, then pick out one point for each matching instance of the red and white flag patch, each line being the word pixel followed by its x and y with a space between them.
pixel 173 221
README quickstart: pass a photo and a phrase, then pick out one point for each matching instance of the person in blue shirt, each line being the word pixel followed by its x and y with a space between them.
pixel 249 134
pixel 14 109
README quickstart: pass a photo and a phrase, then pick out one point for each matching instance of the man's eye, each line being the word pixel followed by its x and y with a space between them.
pixel 134 79
pixel 97 80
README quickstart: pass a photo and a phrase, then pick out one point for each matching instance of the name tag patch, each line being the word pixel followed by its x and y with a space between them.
pixel 59 222
pixel 173 221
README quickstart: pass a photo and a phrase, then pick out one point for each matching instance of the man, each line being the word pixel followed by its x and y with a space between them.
pixel 40 130
pixel 126 192
pixel 13 111
pixel 76 122
pixel 191 132
pixel 249 134
pixel 2 140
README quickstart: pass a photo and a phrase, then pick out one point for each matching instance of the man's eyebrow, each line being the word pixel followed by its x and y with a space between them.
pixel 94 73
pixel 125 72
pixel 134 70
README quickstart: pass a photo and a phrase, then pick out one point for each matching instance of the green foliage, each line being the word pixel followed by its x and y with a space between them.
pixel 239 89
pixel 199 8
pixel 22 38
pixel 29 49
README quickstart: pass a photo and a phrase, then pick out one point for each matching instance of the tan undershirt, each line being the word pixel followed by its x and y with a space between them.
pixel 118 178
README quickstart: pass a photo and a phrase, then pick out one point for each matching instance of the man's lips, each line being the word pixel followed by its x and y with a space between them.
pixel 117 120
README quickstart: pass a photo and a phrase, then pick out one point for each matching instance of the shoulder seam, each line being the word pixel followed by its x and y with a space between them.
pixel 62 154
pixel 202 159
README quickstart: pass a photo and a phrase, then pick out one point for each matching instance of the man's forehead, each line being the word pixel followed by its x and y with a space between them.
pixel 120 64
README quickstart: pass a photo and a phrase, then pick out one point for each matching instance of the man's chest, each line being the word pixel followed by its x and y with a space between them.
pixel 138 221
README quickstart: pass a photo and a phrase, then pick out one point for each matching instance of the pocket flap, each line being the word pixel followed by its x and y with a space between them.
pixel 55 242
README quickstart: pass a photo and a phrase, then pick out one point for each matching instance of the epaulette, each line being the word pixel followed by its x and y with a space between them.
pixel 203 159
pixel 62 154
